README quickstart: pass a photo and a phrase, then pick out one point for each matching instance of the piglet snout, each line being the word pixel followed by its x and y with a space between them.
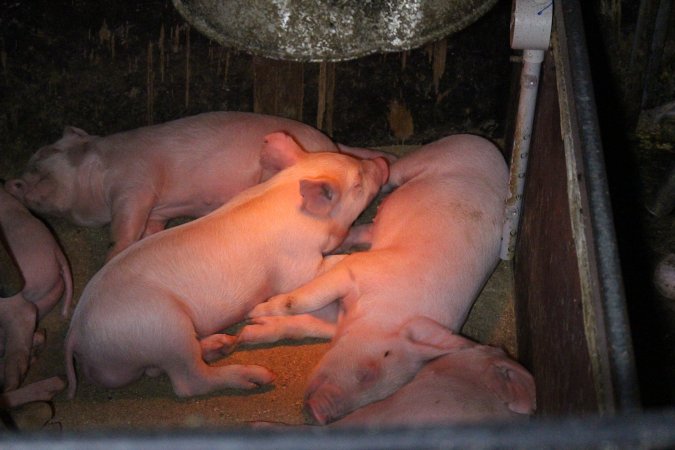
pixel 322 402
pixel 318 410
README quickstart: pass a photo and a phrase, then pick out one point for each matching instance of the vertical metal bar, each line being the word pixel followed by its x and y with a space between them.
pixel 604 239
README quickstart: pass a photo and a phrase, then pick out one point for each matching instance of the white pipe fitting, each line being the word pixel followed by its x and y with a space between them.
pixel 531 24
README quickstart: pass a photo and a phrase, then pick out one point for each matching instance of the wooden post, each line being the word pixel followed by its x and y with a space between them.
pixel 278 87
pixel 324 114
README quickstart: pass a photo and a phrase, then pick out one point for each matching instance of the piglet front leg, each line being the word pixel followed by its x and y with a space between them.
pixel 265 330
pixel 321 291
pixel 283 316
pixel 131 213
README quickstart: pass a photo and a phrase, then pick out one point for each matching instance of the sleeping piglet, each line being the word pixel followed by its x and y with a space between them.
pixel 137 180
pixel 470 383
pixel 433 244
pixel 159 305
pixel 46 279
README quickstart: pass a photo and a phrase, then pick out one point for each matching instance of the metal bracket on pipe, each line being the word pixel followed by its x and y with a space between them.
pixel 531 32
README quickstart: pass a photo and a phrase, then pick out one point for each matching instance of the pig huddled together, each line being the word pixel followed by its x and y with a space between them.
pixel 203 276
pixel 275 200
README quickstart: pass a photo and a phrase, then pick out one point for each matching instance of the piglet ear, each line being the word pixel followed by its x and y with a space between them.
pixel 73 138
pixel 429 339
pixel 71 131
pixel 319 195
pixel 513 384
pixel 279 151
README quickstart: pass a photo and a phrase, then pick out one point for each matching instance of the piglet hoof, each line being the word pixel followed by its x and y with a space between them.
pixel 216 346
pixel 258 330
pixel 250 376
pixel 279 305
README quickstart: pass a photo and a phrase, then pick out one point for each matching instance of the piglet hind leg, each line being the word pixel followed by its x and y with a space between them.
pixel 18 319
pixel 116 353
pixel 195 377
pixel 190 375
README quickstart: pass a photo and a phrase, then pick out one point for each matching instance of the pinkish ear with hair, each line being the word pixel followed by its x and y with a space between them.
pixel 279 151
pixel 319 195
pixel 72 138
pixel 512 384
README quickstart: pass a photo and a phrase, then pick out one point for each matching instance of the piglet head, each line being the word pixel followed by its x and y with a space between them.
pixel 334 187
pixel 46 186
pixel 341 190
pixel 366 364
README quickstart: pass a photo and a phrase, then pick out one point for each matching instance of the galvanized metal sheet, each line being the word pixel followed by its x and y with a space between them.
pixel 328 30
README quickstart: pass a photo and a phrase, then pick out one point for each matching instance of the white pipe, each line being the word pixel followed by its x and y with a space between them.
pixel 530 31
pixel 529 85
